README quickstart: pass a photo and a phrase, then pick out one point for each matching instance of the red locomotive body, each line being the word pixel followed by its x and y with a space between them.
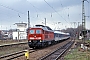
pixel 40 36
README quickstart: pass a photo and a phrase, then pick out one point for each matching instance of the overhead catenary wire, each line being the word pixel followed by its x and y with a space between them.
pixel 57 12
pixel 18 12
pixel 54 10
pixel 36 8
pixel 37 12
pixel 15 10
pixel 65 9
pixel 68 15
pixel 11 8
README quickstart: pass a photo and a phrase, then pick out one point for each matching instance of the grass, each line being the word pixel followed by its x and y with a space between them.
pixel 9 50
pixel 87 41
pixel 75 54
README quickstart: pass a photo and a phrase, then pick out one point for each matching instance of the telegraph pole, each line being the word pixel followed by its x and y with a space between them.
pixel 74 24
pixel 45 21
pixel 78 30
pixel 74 31
pixel 28 20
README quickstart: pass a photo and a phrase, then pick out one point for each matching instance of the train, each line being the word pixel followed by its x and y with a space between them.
pixel 41 36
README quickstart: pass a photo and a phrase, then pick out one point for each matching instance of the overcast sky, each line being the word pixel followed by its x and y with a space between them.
pixel 64 11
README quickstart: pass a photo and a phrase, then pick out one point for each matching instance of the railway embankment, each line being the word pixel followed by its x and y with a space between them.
pixel 11 41
pixel 77 53
pixel 9 46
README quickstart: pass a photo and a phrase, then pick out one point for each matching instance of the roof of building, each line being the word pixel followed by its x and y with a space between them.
pixel 21 23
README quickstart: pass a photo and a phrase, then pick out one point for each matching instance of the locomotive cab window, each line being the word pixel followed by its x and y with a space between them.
pixel 38 31
pixel 31 31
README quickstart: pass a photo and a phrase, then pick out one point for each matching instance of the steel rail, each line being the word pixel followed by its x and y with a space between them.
pixel 58 52
pixel 15 55
pixel 65 50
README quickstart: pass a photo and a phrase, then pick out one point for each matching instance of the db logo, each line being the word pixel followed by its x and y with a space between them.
pixel 34 36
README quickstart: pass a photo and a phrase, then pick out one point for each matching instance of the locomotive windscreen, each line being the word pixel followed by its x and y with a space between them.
pixel 38 31
pixel 31 31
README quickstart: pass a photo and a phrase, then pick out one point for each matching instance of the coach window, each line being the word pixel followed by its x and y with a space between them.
pixel 38 31
pixel 31 31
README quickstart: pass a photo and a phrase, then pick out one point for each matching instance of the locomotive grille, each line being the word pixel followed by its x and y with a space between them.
pixel 35 41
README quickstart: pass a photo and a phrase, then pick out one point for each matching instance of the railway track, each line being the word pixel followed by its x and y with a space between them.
pixel 12 47
pixel 55 55
pixel 11 44
pixel 15 55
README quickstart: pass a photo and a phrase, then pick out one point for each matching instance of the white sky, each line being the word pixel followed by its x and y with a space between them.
pixel 64 11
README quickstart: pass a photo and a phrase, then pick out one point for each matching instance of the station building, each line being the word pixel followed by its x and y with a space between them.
pixel 20 34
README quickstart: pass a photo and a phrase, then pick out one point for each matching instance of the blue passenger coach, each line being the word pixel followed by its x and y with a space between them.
pixel 60 35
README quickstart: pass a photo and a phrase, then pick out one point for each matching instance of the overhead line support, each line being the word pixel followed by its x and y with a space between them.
pixel 83 22
pixel 28 20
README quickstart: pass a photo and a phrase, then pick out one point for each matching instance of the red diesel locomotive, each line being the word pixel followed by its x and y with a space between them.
pixel 40 36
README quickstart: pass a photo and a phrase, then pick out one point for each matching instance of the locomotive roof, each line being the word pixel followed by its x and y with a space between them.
pixel 58 32
pixel 39 25
pixel 61 32
pixel 43 27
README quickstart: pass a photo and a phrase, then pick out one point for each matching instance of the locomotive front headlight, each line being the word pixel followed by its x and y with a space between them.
pixel 40 40
pixel 29 40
